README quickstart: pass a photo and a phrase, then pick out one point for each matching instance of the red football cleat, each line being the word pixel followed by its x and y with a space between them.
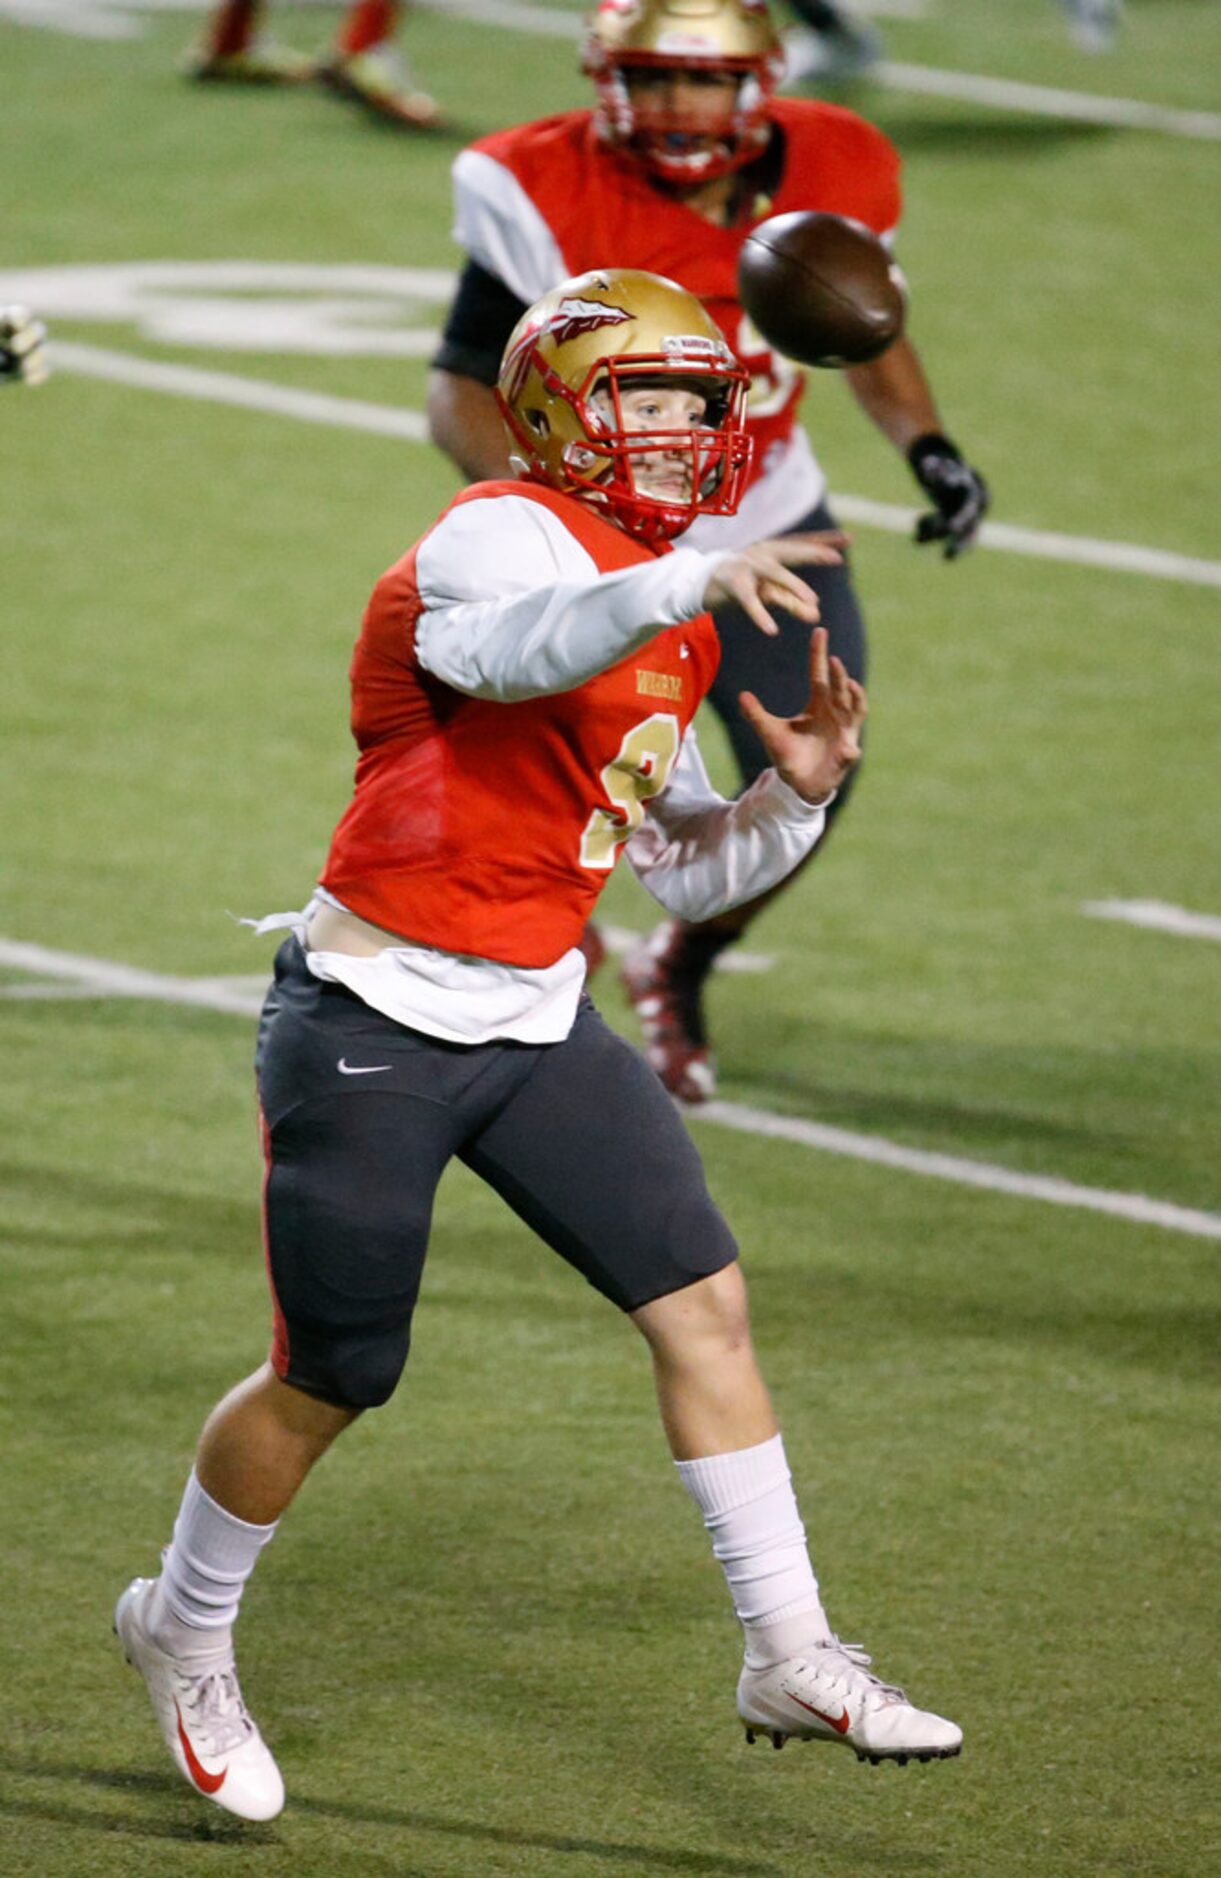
pixel 669 1004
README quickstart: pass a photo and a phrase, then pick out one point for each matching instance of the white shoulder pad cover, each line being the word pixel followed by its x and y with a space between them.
pixel 502 228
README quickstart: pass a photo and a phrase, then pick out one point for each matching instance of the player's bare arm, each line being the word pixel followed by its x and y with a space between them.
pixel 761 577
pixel 814 751
pixel 464 420
pixel 895 393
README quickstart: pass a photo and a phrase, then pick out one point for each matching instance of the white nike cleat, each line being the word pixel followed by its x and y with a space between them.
pixel 829 1694
pixel 215 1744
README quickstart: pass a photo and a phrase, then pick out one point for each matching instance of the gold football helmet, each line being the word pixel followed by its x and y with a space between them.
pixel 569 361
pixel 730 37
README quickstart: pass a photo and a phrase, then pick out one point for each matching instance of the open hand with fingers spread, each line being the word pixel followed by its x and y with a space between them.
pixel 814 751
pixel 762 577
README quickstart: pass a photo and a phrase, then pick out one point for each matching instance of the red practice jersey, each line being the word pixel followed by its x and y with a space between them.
pixel 489 828
pixel 602 211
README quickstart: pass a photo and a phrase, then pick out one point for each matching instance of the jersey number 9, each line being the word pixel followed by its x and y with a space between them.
pixel 639 772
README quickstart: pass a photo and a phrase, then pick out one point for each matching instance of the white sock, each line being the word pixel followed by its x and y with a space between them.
pixel 751 1513
pixel 203 1573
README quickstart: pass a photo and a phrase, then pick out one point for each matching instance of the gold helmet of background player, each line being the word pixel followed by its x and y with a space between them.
pixel 630 45
pixel 567 363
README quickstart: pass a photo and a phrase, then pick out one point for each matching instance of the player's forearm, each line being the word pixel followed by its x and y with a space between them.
pixel 705 861
pixel 464 420
pixel 894 392
pixel 556 634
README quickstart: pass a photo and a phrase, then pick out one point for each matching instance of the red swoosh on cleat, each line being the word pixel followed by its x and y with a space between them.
pixel 206 1782
pixel 841 1722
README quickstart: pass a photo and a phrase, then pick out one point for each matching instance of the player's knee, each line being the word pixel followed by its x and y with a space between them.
pixel 710 1315
pixel 355 1373
pixel 726 1315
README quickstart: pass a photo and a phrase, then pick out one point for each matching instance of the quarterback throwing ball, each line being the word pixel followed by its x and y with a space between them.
pixel 522 694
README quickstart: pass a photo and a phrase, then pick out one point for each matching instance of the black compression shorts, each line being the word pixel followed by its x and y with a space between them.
pixel 361 1116
pixel 778 670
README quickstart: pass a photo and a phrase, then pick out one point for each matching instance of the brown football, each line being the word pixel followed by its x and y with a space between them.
pixel 821 289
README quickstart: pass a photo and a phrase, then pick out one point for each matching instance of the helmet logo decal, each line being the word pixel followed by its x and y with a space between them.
pixel 687 45
pixel 695 345
pixel 571 318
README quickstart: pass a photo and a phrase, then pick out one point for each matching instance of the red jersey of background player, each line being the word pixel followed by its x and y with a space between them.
pixel 586 206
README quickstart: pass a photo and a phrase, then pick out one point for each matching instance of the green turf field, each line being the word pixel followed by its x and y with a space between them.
pixel 489 1639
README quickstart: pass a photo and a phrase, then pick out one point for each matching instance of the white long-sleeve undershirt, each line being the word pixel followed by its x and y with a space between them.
pixel 699 854
pixel 514 608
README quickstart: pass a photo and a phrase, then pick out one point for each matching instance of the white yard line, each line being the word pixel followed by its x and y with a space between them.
pixel 120 19
pixel 1118 557
pixel 1075 107
pixel 953 1167
pixel 313 407
pixel 251 394
pixel 79 19
pixel 1002 94
pixel 105 978
pixel 1157 915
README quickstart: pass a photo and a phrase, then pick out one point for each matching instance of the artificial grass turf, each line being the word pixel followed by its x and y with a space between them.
pixel 490 1639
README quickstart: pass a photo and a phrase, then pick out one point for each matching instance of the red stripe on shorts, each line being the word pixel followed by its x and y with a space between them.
pixel 279 1334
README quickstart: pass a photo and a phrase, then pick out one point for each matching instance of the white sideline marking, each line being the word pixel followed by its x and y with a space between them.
pixel 258 394
pixel 1118 557
pixel 1157 915
pixel 1002 94
pixel 1082 107
pixel 119 19
pixel 79 982
pixel 105 978
pixel 251 394
pixel 1131 1206
pixel 80 19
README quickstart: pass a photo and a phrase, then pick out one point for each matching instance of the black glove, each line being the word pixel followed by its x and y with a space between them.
pixel 960 493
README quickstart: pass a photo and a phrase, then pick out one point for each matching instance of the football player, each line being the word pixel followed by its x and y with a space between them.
pixel 22 352
pixel 365 65
pixel 1093 24
pixel 687 150
pixel 830 47
pixel 522 694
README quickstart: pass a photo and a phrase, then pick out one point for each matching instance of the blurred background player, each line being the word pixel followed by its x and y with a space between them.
pixel 23 356
pixel 686 151
pixel 365 64
pixel 830 47
pixel 1093 23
